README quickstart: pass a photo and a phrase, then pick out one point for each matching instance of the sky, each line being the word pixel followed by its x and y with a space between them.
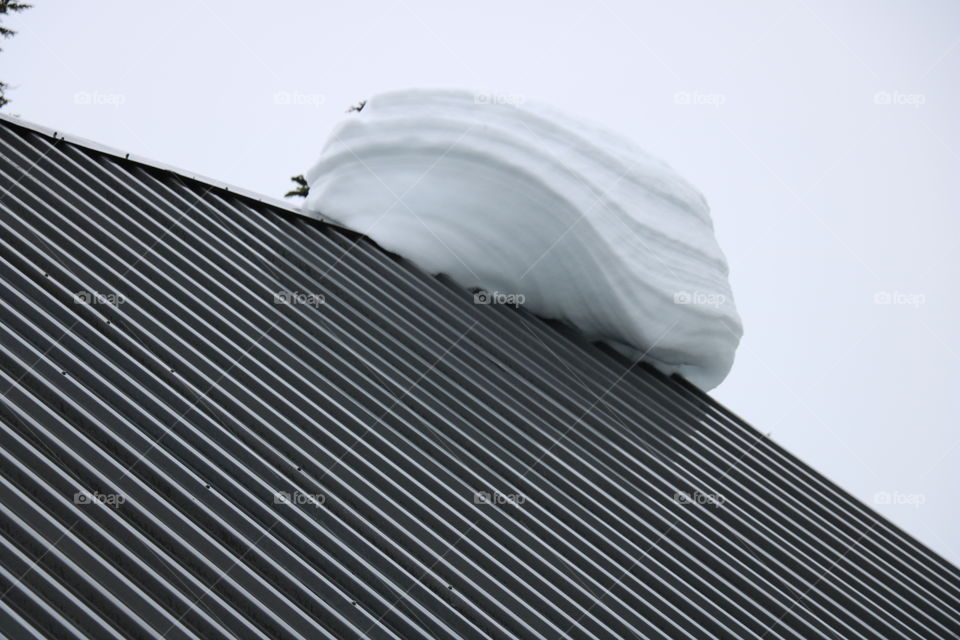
pixel 824 135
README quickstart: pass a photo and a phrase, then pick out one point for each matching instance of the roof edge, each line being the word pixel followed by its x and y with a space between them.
pixel 213 183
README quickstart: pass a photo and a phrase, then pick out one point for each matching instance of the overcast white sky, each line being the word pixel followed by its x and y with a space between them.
pixel 824 134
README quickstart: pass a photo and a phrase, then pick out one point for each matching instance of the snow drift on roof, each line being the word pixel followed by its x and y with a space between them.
pixel 534 206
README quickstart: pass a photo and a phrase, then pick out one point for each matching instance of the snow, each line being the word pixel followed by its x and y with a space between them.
pixel 537 207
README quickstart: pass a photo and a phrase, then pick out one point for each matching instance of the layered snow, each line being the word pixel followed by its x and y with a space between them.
pixel 536 207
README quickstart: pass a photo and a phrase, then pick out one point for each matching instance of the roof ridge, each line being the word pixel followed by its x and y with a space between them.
pixel 214 183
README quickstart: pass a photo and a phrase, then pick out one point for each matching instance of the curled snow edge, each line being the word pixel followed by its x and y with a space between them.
pixel 535 206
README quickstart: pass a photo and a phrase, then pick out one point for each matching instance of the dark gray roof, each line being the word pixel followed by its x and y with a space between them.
pixel 185 457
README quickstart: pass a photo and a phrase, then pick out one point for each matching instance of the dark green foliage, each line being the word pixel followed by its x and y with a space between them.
pixel 6 6
pixel 301 190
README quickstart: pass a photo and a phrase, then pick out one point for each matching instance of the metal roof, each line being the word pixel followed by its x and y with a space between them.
pixel 223 419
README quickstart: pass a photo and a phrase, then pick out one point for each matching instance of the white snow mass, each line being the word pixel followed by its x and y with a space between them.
pixel 529 204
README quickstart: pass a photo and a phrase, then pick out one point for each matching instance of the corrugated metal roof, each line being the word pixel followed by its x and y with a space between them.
pixel 222 419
